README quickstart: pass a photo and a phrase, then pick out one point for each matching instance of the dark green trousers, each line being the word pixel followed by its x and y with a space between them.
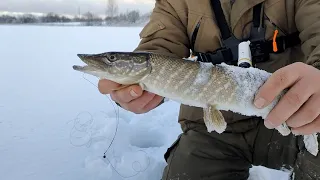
pixel 199 155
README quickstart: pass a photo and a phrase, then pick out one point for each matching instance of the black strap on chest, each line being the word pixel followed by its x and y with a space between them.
pixel 260 48
pixel 221 20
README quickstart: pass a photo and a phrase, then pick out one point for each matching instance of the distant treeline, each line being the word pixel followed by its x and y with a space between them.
pixel 88 19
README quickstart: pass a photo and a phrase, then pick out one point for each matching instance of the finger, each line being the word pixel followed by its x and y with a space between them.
pixel 289 104
pixel 105 86
pixel 137 105
pixel 309 128
pixel 277 82
pixel 127 94
pixel 307 113
pixel 153 103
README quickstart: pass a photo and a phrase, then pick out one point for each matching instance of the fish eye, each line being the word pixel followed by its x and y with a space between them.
pixel 112 58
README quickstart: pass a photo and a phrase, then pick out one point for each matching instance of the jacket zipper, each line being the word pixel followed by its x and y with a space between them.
pixel 274 25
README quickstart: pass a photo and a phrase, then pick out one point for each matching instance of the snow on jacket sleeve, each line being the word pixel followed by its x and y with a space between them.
pixel 165 33
pixel 308 23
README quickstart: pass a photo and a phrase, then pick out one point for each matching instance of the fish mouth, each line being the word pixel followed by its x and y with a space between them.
pixel 79 68
pixel 91 62
pixel 86 58
pixel 82 68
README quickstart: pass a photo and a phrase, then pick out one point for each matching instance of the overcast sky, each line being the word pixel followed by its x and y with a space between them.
pixel 71 6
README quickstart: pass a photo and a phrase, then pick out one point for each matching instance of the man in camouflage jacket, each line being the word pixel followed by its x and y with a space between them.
pixel 199 155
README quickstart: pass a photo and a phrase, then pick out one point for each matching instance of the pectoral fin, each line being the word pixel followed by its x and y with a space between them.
pixel 143 87
pixel 214 120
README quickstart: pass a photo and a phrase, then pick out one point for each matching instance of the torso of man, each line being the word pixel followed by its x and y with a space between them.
pixel 173 23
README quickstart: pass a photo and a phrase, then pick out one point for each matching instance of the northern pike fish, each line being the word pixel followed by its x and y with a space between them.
pixel 193 83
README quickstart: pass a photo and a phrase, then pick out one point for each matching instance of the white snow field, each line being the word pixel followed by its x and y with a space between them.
pixel 54 124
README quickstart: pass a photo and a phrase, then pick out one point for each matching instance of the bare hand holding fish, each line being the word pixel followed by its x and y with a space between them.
pixel 212 87
pixel 131 98
pixel 300 106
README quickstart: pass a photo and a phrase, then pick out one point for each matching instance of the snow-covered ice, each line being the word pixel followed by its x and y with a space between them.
pixel 54 124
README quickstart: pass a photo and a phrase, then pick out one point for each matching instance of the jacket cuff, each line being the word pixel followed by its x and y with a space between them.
pixel 316 64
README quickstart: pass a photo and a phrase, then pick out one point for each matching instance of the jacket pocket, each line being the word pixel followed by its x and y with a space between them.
pixel 194 24
pixel 151 28
pixel 203 33
pixel 195 34
pixel 276 17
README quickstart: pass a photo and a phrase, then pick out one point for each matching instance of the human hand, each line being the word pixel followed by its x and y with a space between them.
pixel 131 98
pixel 300 106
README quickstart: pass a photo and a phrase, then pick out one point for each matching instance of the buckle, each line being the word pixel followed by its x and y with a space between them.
pixel 222 55
pixel 259 51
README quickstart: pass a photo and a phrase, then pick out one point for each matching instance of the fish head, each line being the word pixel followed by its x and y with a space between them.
pixel 120 67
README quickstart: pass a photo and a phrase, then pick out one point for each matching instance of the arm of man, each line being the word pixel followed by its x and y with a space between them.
pixel 300 106
pixel 165 34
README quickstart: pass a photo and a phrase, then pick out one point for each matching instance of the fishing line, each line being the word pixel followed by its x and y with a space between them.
pixel 82 129
pixel 117 117
pixel 116 110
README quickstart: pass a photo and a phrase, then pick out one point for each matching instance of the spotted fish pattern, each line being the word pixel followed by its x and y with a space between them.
pixel 212 87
